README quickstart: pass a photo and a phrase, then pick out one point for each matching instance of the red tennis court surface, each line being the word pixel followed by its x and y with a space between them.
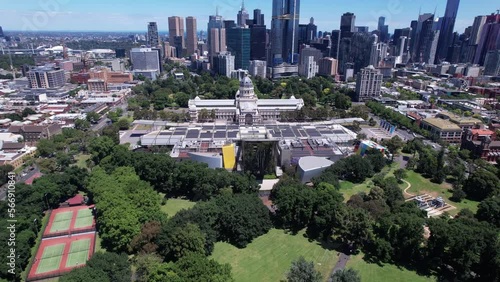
pixel 60 263
pixel 71 220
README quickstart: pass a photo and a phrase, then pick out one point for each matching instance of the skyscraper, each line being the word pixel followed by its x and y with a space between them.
pixel 311 31
pixel 335 39
pixel 474 38
pixel 1 32
pixel 347 25
pixel 242 15
pixel 215 44
pixel 238 43
pixel 258 42
pixel 383 30
pixel 490 38
pixel 446 29
pixel 175 28
pixel 191 35
pixel 423 36
pixel 217 41
pixel 258 17
pixel 284 31
pixel 153 35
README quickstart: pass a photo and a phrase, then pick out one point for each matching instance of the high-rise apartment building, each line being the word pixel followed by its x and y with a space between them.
pixel 368 84
pixel 328 66
pixel 46 77
pixel 446 29
pixel 309 58
pixel 223 64
pixel 153 38
pixel 175 28
pixel 238 43
pixel 284 31
pixel 191 35
pixel 347 25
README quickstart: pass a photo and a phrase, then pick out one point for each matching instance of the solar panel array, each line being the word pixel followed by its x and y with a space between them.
pixel 231 132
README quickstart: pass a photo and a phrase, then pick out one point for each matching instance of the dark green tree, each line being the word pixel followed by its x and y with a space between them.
pixel 346 275
pixel 489 211
pixel 303 271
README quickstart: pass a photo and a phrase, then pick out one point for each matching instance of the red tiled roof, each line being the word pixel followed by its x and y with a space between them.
pixel 76 200
pixel 482 131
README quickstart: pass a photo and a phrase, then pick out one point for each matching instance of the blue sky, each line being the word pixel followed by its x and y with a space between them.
pixel 126 15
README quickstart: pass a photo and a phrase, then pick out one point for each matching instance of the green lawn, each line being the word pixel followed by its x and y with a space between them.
pixel 174 205
pixel 269 256
pixel 387 272
pixel 348 188
pixel 98 247
pixel 34 249
pixel 81 160
pixel 421 185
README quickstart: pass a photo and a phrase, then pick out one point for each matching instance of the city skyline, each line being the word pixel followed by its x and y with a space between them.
pixel 112 15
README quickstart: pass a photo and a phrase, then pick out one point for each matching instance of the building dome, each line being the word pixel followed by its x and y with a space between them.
pixel 246 82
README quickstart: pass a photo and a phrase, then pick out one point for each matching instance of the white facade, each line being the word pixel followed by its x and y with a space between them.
pixel 258 68
pixel 309 68
pixel 368 84
pixel 311 166
pixel 246 108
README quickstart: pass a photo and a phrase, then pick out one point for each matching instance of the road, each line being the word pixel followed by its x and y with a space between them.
pixel 19 179
pixel 104 121
pixel 101 124
pixel 341 263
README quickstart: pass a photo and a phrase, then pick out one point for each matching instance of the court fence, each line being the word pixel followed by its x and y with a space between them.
pixel 51 274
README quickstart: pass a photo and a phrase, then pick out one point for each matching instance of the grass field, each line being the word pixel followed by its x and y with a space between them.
pixel 81 160
pixel 348 188
pixel 421 185
pixel 78 253
pixel 84 218
pixel 51 258
pixel 98 247
pixel 387 272
pixel 174 205
pixel 269 256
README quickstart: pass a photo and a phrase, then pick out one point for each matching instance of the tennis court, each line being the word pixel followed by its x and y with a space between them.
pixel 70 220
pixel 59 255
pixel 61 222
pixel 51 258
pixel 78 253
pixel 84 218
